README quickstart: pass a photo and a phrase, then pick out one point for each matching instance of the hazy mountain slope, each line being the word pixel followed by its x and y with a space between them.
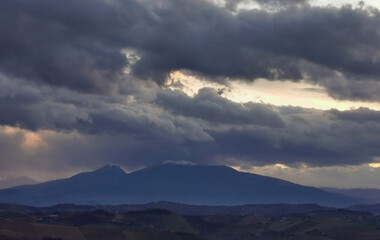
pixel 221 185
pixel 190 184
pixel 368 195
pixel 100 186
pixel 15 181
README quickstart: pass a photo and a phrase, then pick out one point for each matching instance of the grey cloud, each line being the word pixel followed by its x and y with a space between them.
pixel 78 44
pixel 261 148
pixel 33 107
pixel 342 39
pixel 281 2
pixel 361 115
pixel 313 89
pixel 140 132
pixel 63 152
pixel 317 142
pixel 342 177
pixel 206 128
pixel 208 105
pixel 140 135
pixel 342 89
pixel 36 107
pixel 143 123
pixel 75 44
pixel 57 50
pixel 295 43
pixel 68 153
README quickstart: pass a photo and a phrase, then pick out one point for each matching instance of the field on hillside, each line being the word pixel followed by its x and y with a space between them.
pixel 158 224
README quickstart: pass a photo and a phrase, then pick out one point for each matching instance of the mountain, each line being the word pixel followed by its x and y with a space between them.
pixel 367 195
pixel 9 182
pixel 182 183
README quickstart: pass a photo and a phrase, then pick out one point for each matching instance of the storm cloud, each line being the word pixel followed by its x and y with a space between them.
pixel 80 45
pixel 83 83
pixel 34 108
pixel 141 132
pixel 71 44
pixel 210 106
pixel 360 115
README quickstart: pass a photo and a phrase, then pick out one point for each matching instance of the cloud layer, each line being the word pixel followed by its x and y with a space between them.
pixel 82 83
pixel 79 44
pixel 205 128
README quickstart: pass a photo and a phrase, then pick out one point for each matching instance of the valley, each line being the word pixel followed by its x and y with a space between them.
pixel 160 224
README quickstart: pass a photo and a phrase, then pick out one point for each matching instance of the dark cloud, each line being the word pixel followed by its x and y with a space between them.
pixel 311 137
pixel 319 142
pixel 281 2
pixel 58 58
pixel 208 105
pixel 31 107
pixel 313 89
pixel 343 89
pixel 79 44
pixel 361 115
pixel 323 45
pixel 83 130
pixel 294 148
pixel 76 44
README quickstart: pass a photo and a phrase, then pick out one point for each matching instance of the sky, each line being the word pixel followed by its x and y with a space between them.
pixel 288 88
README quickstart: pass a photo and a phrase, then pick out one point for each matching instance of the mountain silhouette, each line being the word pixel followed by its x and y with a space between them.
pixel 175 182
pixel 11 181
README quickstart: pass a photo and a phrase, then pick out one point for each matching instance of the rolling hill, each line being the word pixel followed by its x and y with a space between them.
pixel 159 224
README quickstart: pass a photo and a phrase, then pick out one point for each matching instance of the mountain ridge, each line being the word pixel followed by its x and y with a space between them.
pixel 182 183
pixel 10 182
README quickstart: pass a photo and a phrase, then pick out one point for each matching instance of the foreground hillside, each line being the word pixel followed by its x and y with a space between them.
pixel 189 184
pixel 158 224
pixel 267 210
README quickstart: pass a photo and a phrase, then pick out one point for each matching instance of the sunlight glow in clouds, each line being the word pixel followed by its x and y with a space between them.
pixel 362 176
pixel 270 92
pixel 374 165
pixel 249 4
pixel 31 142
pixel 339 3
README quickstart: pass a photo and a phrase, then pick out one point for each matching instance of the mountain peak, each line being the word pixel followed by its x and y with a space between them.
pixel 12 181
pixel 110 168
pixel 182 163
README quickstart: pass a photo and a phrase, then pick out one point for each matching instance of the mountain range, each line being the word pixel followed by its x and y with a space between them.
pixel 9 182
pixel 175 182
